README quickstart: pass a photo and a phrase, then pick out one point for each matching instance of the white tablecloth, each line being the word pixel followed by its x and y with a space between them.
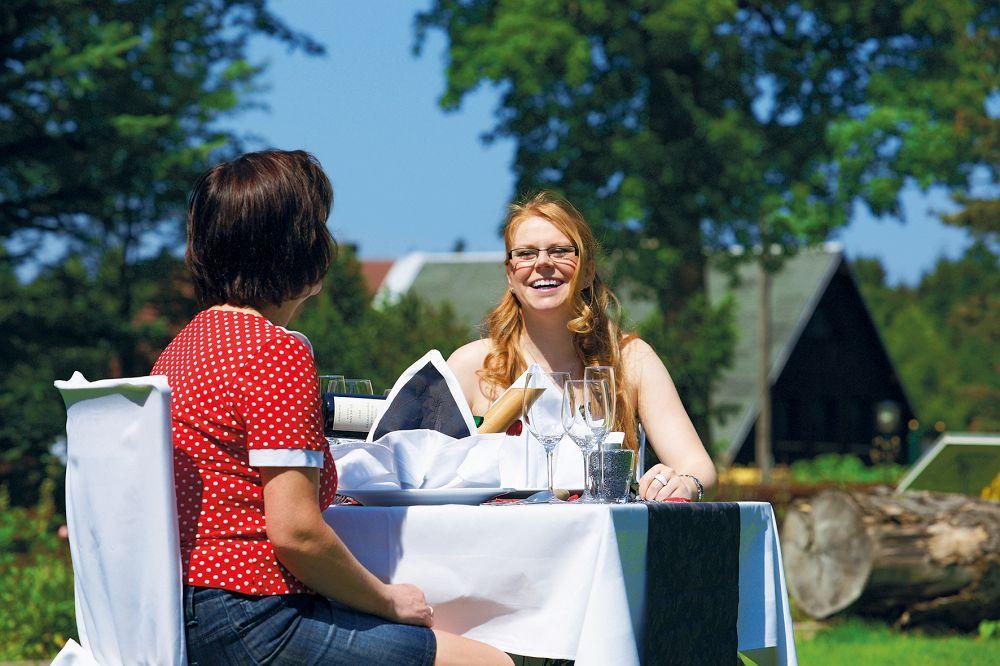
pixel 559 581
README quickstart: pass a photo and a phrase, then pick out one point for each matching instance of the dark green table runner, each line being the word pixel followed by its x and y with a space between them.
pixel 692 583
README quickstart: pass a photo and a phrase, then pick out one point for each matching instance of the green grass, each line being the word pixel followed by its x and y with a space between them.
pixel 861 643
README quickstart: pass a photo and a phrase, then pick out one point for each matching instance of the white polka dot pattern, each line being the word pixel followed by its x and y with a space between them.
pixel 237 382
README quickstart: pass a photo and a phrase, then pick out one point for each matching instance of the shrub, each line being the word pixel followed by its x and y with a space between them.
pixel 36 580
pixel 838 468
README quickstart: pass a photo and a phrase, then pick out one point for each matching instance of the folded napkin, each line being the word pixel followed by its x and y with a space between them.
pixel 427 396
pixel 419 459
pixel 426 438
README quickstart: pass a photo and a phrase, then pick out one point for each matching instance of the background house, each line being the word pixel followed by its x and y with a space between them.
pixel 834 387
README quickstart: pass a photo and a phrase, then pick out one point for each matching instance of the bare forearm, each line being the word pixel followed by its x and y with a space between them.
pixel 703 468
pixel 321 560
pixel 313 552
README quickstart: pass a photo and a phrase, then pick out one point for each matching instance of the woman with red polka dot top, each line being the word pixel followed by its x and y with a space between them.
pixel 266 580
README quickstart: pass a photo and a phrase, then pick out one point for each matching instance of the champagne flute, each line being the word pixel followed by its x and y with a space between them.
pixel 545 425
pixel 607 374
pixel 584 415
pixel 359 386
pixel 597 415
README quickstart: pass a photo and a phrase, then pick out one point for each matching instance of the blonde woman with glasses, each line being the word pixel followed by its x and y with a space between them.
pixel 555 314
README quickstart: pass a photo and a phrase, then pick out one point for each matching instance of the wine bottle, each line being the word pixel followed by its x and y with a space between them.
pixel 349 415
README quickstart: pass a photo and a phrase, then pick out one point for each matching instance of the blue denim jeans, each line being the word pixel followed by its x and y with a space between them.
pixel 224 627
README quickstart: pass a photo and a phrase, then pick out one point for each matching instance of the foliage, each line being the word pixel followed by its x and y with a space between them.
pixel 108 112
pixel 688 125
pixel 342 322
pixel 855 641
pixel 36 580
pixel 837 468
pixel 693 346
pixel 943 335
pixel 989 629
pixel 62 322
pixel 992 491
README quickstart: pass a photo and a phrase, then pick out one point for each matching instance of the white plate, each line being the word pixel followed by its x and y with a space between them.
pixel 425 496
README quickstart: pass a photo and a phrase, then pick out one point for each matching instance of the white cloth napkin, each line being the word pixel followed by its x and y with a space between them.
pixel 403 451
pixel 426 396
pixel 408 459
pixel 424 438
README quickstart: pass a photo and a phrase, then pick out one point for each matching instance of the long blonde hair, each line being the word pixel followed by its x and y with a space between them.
pixel 597 336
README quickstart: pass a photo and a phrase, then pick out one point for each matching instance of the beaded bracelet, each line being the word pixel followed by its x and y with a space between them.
pixel 701 488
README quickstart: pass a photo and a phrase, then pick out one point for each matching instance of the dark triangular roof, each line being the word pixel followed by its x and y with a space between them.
pixel 795 291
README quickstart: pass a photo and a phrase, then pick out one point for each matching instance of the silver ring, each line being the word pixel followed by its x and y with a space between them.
pixel 662 479
pixel 431 609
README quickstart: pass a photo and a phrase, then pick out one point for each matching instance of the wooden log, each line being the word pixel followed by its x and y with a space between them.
pixel 916 557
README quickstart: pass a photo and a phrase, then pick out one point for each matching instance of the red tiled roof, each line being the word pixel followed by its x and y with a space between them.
pixel 374 272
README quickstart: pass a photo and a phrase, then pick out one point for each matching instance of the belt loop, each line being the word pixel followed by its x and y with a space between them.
pixel 190 620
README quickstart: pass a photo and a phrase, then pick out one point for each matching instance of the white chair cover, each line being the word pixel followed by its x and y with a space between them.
pixel 122 519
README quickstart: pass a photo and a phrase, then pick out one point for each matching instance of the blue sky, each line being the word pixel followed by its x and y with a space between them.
pixel 408 176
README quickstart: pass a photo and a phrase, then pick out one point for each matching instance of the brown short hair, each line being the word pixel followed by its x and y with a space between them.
pixel 257 228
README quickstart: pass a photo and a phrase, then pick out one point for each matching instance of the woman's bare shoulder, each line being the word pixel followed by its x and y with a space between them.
pixel 639 359
pixel 635 349
pixel 466 362
pixel 469 357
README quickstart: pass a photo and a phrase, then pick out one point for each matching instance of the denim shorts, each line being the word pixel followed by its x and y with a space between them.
pixel 224 627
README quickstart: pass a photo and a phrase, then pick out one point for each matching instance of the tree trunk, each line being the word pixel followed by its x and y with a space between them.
pixel 674 299
pixel 916 558
pixel 762 443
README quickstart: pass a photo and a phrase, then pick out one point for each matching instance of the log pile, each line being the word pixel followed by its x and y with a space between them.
pixel 915 558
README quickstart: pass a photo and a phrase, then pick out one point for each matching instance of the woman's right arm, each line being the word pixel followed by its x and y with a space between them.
pixel 313 552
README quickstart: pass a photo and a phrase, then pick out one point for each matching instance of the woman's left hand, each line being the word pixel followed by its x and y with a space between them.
pixel 661 482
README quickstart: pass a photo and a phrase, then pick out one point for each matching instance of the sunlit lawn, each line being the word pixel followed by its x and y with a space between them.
pixel 859 643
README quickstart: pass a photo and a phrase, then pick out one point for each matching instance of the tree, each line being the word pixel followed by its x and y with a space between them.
pixel 109 111
pixel 942 335
pixel 685 126
pixel 62 322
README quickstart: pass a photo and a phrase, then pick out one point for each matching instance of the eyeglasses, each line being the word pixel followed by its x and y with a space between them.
pixel 529 255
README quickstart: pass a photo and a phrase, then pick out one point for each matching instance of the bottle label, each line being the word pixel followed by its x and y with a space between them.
pixel 349 413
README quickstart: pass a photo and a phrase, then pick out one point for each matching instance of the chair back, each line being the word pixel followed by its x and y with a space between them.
pixel 122 520
pixel 641 464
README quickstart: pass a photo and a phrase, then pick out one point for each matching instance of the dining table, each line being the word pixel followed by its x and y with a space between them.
pixel 634 583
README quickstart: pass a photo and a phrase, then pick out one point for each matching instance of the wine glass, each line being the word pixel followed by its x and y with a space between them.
pixel 332 384
pixel 584 418
pixel 543 423
pixel 607 374
pixel 328 385
pixel 359 386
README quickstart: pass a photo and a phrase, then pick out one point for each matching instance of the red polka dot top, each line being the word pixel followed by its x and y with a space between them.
pixel 243 395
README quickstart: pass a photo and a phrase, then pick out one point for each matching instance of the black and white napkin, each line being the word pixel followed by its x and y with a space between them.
pixel 427 396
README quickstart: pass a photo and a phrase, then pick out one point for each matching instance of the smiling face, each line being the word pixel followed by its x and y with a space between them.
pixel 547 283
